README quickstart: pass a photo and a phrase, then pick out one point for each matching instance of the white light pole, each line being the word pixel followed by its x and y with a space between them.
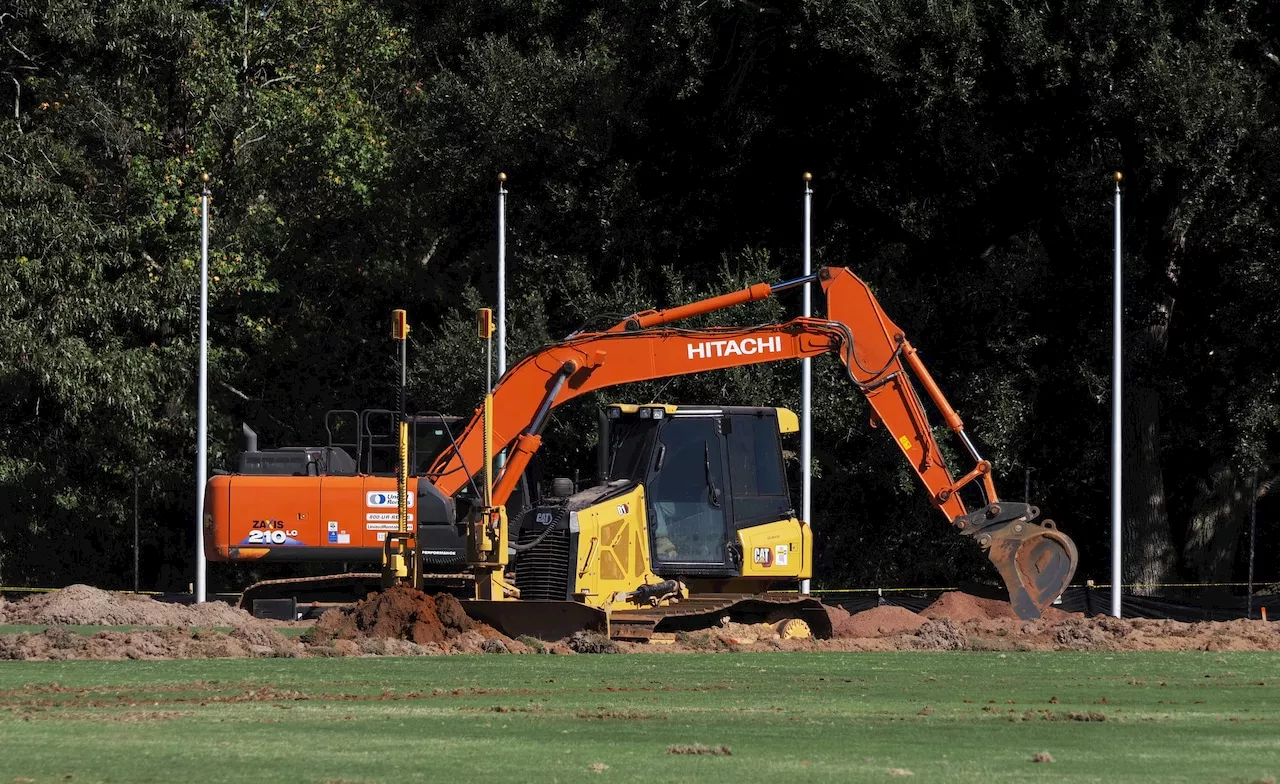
pixel 1116 398
pixel 502 274
pixel 806 384
pixel 202 397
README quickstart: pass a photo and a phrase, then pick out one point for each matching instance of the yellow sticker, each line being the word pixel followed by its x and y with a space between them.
pixel 906 442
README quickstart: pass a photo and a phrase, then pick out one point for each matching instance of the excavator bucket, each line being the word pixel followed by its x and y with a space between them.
pixel 1036 560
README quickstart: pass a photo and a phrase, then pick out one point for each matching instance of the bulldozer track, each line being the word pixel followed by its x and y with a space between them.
pixel 708 610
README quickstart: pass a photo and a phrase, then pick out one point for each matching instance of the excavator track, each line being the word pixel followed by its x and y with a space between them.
pixel 320 592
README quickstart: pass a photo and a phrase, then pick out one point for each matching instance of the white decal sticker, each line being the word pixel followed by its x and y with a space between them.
pixel 382 526
pixel 333 525
pixel 385 516
pixel 386 499
pixel 781 559
pixel 344 538
pixel 271 537
pixel 711 349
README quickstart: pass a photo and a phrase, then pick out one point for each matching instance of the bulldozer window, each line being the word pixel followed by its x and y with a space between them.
pixel 630 439
pixel 688 527
pixel 755 471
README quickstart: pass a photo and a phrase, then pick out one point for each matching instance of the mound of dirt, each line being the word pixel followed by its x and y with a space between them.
pixel 407 622
pixel 262 640
pixel 959 621
pixel 57 643
pixel 880 621
pixel 84 605
pixel 405 613
pixel 960 607
pixel 938 635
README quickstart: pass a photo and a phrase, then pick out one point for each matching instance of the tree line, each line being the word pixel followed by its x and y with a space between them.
pixel 962 152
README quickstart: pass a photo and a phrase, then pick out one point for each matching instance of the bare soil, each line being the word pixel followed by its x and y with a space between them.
pixel 960 621
pixel 406 622
pixel 403 614
pixel 87 606
pixel 959 607
pixel 876 622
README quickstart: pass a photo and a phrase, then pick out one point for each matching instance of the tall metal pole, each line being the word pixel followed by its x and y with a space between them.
pixel 502 275
pixel 202 398
pixel 806 381
pixel 486 333
pixel 1116 400
pixel 400 332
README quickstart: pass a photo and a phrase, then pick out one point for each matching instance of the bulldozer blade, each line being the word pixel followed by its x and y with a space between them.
pixel 1035 560
pixel 544 619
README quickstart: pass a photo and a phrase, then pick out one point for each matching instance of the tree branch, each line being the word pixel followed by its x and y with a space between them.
pixel 1265 488
pixel 236 392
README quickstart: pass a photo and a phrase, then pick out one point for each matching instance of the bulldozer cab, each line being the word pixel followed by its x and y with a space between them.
pixel 708 472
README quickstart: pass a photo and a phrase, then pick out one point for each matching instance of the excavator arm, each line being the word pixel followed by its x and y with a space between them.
pixel 1035 560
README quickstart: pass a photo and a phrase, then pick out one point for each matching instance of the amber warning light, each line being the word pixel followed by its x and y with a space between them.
pixel 399 325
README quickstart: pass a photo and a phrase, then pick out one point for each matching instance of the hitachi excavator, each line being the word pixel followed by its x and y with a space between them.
pixel 689 523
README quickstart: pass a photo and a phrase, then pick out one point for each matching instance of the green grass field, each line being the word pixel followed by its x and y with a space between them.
pixel 1193 717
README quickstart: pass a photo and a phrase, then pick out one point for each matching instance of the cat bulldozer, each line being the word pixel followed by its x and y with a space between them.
pixel 689 522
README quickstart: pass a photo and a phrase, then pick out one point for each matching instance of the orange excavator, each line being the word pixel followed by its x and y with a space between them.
pixel 689 523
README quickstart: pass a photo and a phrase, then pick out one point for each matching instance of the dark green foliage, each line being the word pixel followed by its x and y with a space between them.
pixel 962 153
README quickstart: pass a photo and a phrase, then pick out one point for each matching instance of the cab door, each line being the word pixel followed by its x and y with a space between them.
pixel 688 499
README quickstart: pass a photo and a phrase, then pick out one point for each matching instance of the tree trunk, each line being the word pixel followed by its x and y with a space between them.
pixel 1149 555
pixel 1147 538
pixel 1218 513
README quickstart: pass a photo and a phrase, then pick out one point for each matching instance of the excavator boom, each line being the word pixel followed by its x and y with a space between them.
pixel 1035 560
